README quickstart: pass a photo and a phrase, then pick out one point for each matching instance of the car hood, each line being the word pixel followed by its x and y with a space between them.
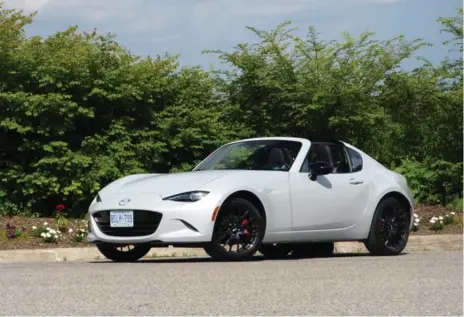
pixel 163 184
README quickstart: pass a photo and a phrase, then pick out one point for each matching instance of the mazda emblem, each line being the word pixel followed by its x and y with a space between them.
pixel 124 201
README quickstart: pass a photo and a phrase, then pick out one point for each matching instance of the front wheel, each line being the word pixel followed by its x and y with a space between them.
pixel 123 253
pixel 238 231
pixel 389 231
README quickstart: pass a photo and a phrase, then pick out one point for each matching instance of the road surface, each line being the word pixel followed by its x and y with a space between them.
pixel 420 283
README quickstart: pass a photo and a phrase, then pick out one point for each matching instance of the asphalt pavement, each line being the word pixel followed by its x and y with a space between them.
pixel 419 283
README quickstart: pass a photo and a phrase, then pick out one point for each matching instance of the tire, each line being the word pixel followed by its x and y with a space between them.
pixel 275 251
pixel 381 226
pixel 310 250
pixel 231 226
pixel 111 252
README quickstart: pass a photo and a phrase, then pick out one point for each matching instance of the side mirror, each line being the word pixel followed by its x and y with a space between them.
pixel 319 168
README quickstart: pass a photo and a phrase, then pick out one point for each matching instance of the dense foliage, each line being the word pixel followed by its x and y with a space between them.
pixel 77 110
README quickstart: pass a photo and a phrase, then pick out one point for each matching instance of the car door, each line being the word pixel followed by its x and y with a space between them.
pixel 333 201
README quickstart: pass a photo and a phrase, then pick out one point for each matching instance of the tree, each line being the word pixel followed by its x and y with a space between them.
pixel 77 110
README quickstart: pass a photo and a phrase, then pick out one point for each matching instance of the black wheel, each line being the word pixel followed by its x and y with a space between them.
pixel 275 251
pixel 127 253
pixel 317 249
pixel 389 231
pixel 238 231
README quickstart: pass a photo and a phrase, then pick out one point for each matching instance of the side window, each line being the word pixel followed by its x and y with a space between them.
pixel 339 159
pixel 312 156
pixel 356 160
pixel 330 153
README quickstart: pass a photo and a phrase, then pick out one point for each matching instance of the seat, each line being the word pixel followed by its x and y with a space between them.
pixel 259 157
pixel 322 154
pixel 340 165
pixel 277 159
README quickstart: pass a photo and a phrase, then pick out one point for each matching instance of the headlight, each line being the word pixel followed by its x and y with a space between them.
pixel 188 197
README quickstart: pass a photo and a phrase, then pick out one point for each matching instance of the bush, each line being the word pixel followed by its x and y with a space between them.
pixel 78 111
pixel 457 204
pixel 433 181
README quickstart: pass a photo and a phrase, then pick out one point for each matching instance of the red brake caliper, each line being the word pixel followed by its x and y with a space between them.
pixel 244 223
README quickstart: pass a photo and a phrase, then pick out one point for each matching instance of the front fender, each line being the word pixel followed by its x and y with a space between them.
pixel 249 189
pixel 273 191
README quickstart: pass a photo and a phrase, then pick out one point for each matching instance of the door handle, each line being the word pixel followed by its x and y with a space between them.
pixel 356 182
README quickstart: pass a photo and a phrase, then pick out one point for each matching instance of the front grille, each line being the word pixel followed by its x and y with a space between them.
pixel 145 223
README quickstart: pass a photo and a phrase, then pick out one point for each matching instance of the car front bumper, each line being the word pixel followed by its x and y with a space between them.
pixel 163 222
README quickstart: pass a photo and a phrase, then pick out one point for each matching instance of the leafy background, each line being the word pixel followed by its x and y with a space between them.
pixel 78 110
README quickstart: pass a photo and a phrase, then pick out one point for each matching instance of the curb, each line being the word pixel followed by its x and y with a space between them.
pixel 415 244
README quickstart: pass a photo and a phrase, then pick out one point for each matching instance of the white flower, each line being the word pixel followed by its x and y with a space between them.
pixel 34 227
pixel 453 213
pixel 432 220
pixel 82 230
pixel 52 231
pixel 42 234
pixel 45 224
pixel 441 218
pixel 70 230
pixel 416 216
pixel 56 237
pixel 48 229
pixel 48 235
pixel 416 220
pixel 58 231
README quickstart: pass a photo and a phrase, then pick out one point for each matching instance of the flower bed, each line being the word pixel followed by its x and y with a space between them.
pixel 61 232
pixel 41 233
pixel 33 233
pixel 437 220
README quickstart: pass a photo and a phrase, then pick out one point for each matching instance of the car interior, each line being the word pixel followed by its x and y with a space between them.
pixel 331 153
pixel 280 157
pixel 272 158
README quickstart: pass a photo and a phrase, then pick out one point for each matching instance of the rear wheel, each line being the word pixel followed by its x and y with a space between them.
pixel 275 251
pixel 129 253
pixel 238 231
pixel 389 232
pixel 318 250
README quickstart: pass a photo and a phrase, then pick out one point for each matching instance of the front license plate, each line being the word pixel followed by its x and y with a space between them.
pixel 122 218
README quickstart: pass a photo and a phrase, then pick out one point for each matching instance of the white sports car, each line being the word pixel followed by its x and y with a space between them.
pixel 277 195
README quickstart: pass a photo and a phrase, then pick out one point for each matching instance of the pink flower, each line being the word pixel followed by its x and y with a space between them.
pixel 60 208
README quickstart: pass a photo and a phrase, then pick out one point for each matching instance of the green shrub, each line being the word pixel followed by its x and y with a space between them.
pixel 78 111
pixel 433 181
pixel 457 204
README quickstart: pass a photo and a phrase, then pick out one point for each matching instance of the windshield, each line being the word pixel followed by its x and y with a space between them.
pixel 268 155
